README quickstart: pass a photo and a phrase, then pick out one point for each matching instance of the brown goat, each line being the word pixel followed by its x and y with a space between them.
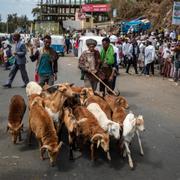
pixel 17 109
pixel 41 124
pixel 90 130
pixel 71 125
pixel 118 106
pixel 115 101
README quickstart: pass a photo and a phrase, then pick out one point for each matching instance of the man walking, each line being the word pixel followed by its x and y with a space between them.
pixel 133 54
pixel 46 62
pixel 20 62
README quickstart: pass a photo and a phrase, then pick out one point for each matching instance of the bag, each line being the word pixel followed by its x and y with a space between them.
pixel 36 77
pixel 11 60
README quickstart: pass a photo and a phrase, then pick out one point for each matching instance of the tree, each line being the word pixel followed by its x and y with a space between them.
pixel 36 12
pixel 14 22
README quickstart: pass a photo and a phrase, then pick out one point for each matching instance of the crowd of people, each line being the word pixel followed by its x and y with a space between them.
pixel 150 54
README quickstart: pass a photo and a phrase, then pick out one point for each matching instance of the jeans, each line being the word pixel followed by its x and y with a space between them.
pixel 148 66
pixel 132 61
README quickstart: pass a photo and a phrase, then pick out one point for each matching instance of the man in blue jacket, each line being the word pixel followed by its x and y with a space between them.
pixel 20 62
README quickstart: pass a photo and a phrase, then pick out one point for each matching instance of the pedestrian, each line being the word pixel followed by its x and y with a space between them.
pixel 107 64
pixel 177 64
pixel 141 56
pixel 89 62
pixel 67 42
pixel 20 62
pixel 149 58
pixel 46 62
pixel 125 47
pixel 133 54
pixel 167 61
pixel 7 54
pixel 113 40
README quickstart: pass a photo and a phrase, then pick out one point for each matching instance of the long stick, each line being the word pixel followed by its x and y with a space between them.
pixel 103 83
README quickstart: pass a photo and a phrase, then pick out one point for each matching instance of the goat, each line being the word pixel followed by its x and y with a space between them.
pixel 111 127
pixel 116 101
pixel 89 98
pixel 17 109
pixel 33 88
pixel 90 130
pixel 132 125
pixel 54 103
pixel 41 124
pixel 71 125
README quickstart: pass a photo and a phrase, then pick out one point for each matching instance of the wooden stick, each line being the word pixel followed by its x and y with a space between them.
pixel 103 83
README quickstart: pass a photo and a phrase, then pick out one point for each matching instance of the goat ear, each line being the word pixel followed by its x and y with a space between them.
pixel 72 84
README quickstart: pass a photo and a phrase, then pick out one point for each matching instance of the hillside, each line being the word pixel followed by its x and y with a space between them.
pixel 159 12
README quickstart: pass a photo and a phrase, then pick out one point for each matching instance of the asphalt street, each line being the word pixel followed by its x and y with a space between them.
pixel 156 99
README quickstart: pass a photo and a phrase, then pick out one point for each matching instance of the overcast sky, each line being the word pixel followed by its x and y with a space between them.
pixel 21 7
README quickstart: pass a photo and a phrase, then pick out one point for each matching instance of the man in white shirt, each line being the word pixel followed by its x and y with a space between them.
pixel 149 58
pixel 125 48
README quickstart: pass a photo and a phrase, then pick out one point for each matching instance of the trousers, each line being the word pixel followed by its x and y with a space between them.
pixel 15 68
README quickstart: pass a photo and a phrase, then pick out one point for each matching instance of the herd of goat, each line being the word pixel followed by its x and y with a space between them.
pixel 87 116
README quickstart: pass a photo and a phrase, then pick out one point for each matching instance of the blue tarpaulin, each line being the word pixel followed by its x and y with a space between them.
pixel 136 25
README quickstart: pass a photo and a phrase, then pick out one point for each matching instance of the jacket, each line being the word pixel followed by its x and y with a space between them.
pixel 20 57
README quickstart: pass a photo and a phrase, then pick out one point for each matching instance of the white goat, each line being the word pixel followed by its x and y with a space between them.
pixel 33 88
pixel 111 127
pixel 132 125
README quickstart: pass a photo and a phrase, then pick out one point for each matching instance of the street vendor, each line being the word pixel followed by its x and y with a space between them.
pixel 89 63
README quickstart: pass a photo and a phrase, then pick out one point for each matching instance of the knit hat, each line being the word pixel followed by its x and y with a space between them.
pixel 91 42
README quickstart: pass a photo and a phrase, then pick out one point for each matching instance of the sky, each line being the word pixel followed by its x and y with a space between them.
pixel 21 7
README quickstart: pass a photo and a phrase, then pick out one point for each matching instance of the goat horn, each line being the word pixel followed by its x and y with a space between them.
pixel 98 143
pixel 108 156
pixel 60 144
pixel 82 120
pixel 19 126
pixel 95 136
pixel 10 126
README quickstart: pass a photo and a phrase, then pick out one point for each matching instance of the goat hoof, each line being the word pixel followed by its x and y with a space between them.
pixel 42 158
pixel 71 158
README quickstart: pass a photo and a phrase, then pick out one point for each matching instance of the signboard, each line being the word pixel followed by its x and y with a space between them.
pixel 95 7
pixel 176 13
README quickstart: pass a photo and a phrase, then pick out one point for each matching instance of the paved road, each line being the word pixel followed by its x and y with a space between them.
pixel 158 100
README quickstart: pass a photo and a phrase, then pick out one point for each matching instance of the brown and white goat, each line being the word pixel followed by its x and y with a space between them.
pixel 41 124
pixel 54 103
pixel 17 109
pixel 87 97
pixel 90 130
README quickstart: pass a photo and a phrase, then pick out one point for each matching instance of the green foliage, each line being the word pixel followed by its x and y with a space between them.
pixel 14 22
